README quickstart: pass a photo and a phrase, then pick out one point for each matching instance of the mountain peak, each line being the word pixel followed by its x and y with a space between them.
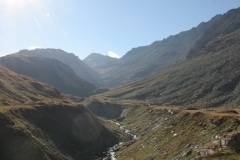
pixel 79 67
pixel 96 61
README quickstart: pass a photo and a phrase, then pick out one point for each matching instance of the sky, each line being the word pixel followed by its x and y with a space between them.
pixel 109 27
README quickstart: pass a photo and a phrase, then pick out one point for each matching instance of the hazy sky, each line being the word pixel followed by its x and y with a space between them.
pixel 100 26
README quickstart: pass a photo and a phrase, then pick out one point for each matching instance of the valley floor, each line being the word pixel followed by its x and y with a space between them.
pixel 180 133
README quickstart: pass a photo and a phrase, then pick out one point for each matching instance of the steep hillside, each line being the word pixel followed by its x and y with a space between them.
pixel 79 67
pixel 210 79
pixel 38 122
pixel 146 60
pixel 223 25
pixel 16 89
pixel 49 71
pixel 52 131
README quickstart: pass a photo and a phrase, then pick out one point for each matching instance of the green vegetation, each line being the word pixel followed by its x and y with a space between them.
pixel 181 134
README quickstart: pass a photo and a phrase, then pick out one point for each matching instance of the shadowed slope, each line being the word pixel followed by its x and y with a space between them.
pixel 49 71
pixel 38 122
pixel 18 89
pixel 79 67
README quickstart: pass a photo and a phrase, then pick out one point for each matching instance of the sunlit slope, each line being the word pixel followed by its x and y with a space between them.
pixel 143 61
pixel 205 81
pixel 173 133
pixel 208 78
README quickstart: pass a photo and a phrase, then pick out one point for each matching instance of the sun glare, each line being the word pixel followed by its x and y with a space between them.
pixel 12 5
pixel 15 3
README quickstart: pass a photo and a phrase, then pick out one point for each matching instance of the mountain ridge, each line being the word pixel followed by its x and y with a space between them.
pixel 209 79
pixel 50 71
pixel 143 61
pixel 79 67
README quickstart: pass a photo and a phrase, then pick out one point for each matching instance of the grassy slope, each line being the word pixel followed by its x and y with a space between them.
pixel 16 89
pixel 173 133
pixel 38 122
pixel 53 131
pixel 49 71
pixel 205 81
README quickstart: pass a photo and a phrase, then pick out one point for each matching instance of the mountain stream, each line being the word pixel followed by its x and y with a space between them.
pixel 111 150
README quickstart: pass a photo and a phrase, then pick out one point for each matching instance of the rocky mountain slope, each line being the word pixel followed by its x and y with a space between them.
pixel 223 25
pixel 38 122
pixel 173 133
pixel 79 67
pixel 209 78
pixel 146 60
pixel 49 71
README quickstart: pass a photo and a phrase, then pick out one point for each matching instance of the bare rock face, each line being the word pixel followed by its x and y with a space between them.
pixel 206 152
pixel 187 153
pixel 231 140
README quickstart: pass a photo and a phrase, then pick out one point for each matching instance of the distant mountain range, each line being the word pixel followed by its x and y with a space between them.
pixel 146 60
pixel 208 77
pixel 79 67
pixel 50 71
pixel 97 60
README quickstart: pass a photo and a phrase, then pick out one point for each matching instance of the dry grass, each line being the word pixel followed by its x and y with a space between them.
pixel 172 132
